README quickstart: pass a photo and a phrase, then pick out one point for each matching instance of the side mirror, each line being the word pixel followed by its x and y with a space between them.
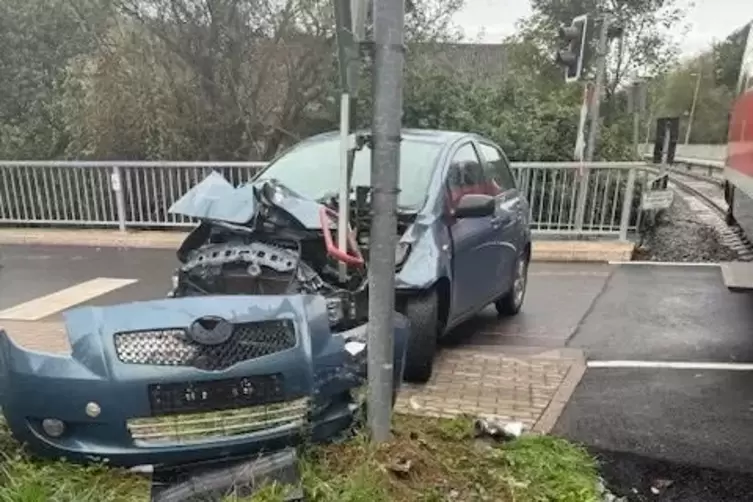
pixel 475 206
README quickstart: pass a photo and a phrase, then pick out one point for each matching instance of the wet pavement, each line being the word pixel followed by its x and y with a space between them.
pixel 30 272
pixel 34 271
pixel 693 425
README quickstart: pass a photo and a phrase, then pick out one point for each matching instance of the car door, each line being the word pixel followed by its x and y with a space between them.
pixel 509 218
pixel 473 252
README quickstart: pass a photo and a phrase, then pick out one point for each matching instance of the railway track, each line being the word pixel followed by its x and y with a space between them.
pixel 705 198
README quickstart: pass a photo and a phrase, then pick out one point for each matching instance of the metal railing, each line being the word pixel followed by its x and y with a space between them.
pixel 139 194
pixel 105 194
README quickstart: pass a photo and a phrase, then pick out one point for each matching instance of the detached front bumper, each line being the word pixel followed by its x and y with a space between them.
pixel 119 403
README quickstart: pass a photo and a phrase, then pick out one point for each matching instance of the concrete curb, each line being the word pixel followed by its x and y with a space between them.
pixel 548 419
pixel 543 251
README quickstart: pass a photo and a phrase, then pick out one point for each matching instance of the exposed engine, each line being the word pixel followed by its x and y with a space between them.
pixel 285 247
pixel 272 254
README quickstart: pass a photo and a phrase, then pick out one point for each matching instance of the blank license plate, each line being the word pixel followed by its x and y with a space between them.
pixel 215 395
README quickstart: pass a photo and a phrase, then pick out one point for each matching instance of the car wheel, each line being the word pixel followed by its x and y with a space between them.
pixel 423 314
pixel 511 303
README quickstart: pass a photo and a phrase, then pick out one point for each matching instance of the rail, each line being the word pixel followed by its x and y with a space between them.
pixel 566 198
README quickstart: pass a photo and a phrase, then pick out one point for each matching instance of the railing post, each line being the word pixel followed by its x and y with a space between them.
pixel 627 205
pixel 580 208
pixel 116 181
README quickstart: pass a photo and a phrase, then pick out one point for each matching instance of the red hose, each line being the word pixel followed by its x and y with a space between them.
pixel 355 259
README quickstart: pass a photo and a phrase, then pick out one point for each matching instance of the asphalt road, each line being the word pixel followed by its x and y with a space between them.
pixel 31 272
pixel 692 426
pixel 34 271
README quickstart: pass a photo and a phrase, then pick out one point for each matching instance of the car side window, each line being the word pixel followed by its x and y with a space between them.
pixel 497 168
pixel 466 174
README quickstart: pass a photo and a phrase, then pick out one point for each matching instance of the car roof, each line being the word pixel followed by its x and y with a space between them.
pixel 427 135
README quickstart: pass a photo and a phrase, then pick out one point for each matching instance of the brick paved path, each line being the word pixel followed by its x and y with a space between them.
pixel 531 388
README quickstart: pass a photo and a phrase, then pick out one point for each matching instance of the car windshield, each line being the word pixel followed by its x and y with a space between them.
pixel 313 170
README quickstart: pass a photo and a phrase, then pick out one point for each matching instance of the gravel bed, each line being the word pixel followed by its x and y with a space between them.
pixel 679 237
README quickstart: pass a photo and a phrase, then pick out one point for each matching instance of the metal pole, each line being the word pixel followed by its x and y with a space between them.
pixel 385 164
pixel 664 171
pixel 627 205
pixel 637 133
pixel 601 69
pixel 593 131
pixel 343 201
pixel 692 107
pixel 116 183
pixel 639 107
pixel 349 65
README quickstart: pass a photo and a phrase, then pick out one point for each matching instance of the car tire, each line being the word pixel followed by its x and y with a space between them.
pixel 511 303
pixel 423 313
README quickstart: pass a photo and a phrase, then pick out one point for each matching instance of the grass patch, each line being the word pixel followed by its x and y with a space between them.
pixel 437 460
pixel 24 479
pixel 428 460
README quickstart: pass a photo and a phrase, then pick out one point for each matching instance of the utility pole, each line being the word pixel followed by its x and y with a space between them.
pixel 692 107
pixel 389 26
pixel 349 56
pixel 601 70
pixel 638 108
pixel 595 110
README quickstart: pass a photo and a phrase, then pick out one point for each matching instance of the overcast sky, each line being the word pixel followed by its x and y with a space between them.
pixel 708 19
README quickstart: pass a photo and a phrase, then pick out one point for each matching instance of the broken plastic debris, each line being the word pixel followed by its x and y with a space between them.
pixel 497 429
pixel 142 469
pixel 355 348
pixel 401 467
pixel 660 485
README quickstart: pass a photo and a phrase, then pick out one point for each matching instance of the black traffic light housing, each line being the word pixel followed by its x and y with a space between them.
pixel 573 47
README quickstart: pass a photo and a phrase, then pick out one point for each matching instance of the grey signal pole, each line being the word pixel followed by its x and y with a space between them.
pixel 595 110
pixel 389 25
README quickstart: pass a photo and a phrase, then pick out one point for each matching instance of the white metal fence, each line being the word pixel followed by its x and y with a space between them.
pixel 599 198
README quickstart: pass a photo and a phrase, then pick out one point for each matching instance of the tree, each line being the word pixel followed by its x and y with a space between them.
pixel 649 42
pixel 38 39
pixel 220 79
pixel 728 55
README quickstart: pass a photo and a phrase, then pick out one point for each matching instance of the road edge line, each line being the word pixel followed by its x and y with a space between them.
pixel 667 263
pixel 679 365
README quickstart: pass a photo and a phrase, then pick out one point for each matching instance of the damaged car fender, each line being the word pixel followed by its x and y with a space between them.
pixel 429 257
pixel 176 381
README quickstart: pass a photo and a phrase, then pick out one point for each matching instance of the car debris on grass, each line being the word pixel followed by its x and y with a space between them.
pixel 428 460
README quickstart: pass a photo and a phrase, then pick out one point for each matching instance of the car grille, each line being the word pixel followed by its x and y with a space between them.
pixel 172 347
pixel 197 427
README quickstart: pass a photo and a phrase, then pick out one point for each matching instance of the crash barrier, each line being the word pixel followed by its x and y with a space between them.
pixel 600 198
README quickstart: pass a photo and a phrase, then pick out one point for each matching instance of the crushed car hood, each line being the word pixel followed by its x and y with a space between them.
pixel 215 198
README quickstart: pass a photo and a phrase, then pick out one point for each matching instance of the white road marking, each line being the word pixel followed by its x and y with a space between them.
pixel 44 306
pixel 566 273
pixel 666 263
pixel 677 365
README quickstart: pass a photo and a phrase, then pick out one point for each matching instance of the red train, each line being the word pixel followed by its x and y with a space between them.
pixel 738 168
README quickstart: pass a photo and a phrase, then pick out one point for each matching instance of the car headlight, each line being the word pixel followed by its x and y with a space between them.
pixel 401 253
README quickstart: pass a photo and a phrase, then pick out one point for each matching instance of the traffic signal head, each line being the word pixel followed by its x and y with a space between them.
pixel 573 45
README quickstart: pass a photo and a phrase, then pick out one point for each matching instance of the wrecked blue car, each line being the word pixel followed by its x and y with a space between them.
pixel 253 350
pixel 465 239
pixel 176 381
